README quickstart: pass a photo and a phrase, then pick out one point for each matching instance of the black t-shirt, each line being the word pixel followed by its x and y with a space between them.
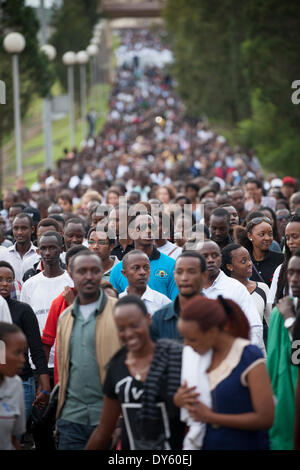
pixel 122 386
pixel 263 270
pixel 23 316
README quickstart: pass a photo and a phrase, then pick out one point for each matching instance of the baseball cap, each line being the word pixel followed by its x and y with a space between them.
pixel 289 180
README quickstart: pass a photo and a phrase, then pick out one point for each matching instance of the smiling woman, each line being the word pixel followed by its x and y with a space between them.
pixel 257 240
pixel 141 380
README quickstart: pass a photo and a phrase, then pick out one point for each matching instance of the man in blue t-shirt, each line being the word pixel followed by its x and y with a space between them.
pixel 161 265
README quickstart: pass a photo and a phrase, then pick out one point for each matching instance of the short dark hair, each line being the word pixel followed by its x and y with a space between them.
pixel 219 212
pixel 73 251
pixel 81 253
pixel 132 299
pixel 75 220
pixel 193 186
pixel 51 233
pixel 104 228
pixel 20 205
pixel 5 264
pixel 65 196
pixel 193 254
pixel 7 329
pixel 57 217
pixel 255 181
pixel 131 253
pixel 23 215
pixel 48 222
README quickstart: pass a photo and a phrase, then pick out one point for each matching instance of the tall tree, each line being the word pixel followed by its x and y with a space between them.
pixel 235 63
pixel 35 72
pixel 73 23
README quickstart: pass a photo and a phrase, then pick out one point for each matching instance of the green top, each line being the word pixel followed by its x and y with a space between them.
pixel 284 378
pixel 84 396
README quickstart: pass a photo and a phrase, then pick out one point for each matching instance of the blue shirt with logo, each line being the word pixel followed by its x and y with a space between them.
pixel 161 275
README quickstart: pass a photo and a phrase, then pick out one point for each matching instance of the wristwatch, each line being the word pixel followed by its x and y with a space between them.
pixel 288 322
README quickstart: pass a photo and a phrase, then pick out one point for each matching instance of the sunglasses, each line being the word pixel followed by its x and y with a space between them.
pixel 259 220
pixel 283 217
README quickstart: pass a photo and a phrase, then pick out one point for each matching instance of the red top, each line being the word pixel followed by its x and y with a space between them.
pixel 49 333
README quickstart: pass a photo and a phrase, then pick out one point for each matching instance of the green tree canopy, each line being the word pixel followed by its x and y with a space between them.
pixel 73 25
pixel 35 72
pixel 235 63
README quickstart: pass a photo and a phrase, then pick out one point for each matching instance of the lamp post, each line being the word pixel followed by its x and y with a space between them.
pixel 69 59
pixel 82 59
pixel 50 52
pixel 92 51
pixel 14 43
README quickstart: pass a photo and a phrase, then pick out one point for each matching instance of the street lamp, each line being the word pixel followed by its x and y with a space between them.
pixel 14 43
pixel 92 51
pixel 82 59
pixel 50 52
pixel 69 59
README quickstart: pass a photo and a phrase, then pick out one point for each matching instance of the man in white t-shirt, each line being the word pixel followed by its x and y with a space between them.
pixel 136 268
pixel 40 290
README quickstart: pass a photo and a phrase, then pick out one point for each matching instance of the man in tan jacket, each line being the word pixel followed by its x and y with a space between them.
pixel 87 338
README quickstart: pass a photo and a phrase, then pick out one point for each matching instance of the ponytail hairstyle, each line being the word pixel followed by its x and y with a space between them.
pixel 221 313
pixel 255 218
pixel 275 228
pixel 227 257
pixel 282 284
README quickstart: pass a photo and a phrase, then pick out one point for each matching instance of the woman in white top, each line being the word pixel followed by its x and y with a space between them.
pixel 237 263
pixel 12 407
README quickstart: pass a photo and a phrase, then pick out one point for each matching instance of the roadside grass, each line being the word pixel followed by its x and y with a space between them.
pixel 33 146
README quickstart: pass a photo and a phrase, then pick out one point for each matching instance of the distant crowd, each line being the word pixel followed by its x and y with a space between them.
pixel 150 285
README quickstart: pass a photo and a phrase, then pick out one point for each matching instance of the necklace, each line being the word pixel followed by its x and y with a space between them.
pixel 137 373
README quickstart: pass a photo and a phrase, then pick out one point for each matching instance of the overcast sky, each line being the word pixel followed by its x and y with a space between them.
pixel 36 3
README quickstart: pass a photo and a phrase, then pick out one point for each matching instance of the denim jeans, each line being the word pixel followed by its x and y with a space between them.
pixel 29 395
pixel 73 436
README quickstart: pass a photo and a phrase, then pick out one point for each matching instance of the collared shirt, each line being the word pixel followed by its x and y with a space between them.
pixel 232 289
pixel 84 396
pixel 14 258
pixel 118 250
pixel 161 275
pixel 106 275
pixel 164 322
pixel 153 299
pixel 170 249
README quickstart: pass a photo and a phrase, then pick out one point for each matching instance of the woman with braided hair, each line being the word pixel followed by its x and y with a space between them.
pixel 241 393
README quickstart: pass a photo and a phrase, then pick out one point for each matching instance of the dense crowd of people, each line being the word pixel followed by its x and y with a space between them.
pixel 150 285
